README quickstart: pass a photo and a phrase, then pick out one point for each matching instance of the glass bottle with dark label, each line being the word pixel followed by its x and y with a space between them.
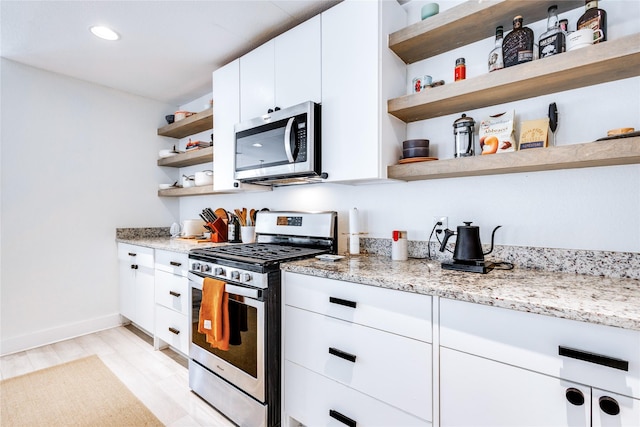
pixel 517 46
pixel 594 18
pixel 552 41
pixel 495 56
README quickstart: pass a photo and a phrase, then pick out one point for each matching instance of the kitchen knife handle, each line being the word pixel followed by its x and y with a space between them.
pixel 342 418
pixel 598 359
pixel 175 263
pixel 341 301
pixel 173 330
pixel 174 294
pixel 342 354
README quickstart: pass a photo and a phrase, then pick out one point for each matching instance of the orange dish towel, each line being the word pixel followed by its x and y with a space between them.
pixel 214 314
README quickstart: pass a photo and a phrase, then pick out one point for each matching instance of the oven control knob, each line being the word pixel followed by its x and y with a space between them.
pixel 235 275
pixel 246 277
pixel 195 266
pixel 218 271
pixel 205 268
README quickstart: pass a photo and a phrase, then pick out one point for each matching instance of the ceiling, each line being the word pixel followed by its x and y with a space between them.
pixel 167 50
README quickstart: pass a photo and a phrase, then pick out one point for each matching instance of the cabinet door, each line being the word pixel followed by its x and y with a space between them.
pixel 298 65
pixel 226 113
pixel 613 410
pixel 145 298
pixel 257 82
pixel 350 92
pixel 480 392
pixel 127 281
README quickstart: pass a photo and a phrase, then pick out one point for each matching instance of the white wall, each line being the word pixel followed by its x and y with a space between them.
pixel 594 208
pixel 78 160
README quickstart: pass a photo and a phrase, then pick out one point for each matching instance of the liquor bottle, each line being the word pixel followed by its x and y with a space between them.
pixel 552 41
pixel 594 18
pixel 495 56
pixel 517 46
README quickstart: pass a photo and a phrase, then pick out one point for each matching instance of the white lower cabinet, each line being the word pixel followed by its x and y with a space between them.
pixel 171 301
pixel 136 285
pixel 502 367
pixel 355 354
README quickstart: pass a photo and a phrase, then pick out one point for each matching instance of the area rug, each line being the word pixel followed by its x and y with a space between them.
pixel 83 392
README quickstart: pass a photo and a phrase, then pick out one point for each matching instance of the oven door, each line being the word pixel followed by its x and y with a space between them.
pixel 243 364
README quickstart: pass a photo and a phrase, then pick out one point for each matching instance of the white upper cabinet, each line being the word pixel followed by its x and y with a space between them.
pixel 282 72
pixel 226 113
pixel 359 74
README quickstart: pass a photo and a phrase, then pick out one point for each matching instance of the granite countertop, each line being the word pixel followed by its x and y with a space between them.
pixel 168 243
pixel 600 300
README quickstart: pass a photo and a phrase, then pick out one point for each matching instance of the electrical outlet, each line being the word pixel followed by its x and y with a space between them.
pixel 445 223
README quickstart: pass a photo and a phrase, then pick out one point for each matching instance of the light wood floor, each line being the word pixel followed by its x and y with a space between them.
pixel 158 378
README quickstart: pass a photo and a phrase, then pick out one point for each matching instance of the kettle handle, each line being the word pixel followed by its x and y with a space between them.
pixel 447 233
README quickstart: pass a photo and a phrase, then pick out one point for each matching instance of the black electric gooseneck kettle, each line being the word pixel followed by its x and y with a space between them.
pixel 468 247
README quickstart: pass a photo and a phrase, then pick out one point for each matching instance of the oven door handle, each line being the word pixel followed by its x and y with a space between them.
pixel 228 287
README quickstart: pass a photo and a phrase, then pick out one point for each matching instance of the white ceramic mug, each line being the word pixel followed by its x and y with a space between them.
pixel 582 38
pixel 248 234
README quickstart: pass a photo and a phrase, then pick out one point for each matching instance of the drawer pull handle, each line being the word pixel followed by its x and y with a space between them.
pixel 342 354
pixel 598 359
pixel 174 294
pixel 132 254
pixel 341 301
pixel 342 418
pixel 575 396
pixel 134 267
pixel 174 331
pixel 175 263
pixel 609 405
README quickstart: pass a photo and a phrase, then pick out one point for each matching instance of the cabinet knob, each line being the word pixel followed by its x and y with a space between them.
pixel 134 267
pixel 609 405
pixel 575 396
pixel 132 254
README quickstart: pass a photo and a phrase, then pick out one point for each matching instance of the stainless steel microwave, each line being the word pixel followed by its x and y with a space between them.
pixel 280 148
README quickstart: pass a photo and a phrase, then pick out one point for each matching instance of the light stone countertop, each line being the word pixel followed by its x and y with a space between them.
pixel 600 300
pixel 167 243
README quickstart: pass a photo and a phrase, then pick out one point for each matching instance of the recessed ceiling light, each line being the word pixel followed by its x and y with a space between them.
pixel 104 32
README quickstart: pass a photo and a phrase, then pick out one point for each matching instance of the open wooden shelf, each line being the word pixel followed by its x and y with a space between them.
pixel 189 158
pixel 613 152
pixel 188 191
pixel 468 23
pixel 193 124
pixel 600 63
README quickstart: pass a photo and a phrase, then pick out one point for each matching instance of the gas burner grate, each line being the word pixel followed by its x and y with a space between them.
pixel 260 252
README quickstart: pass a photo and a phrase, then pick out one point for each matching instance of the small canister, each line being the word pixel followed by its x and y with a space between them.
pixel 460 72
pixel 399 246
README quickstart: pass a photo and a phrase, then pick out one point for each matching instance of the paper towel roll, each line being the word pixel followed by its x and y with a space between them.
pixel 354 232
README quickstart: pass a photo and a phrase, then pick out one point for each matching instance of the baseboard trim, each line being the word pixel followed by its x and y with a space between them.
pixel 59 333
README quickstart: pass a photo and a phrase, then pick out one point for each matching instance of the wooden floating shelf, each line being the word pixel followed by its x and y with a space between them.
pixel 199 122
pixel 621 151
pixel 188 191
pixel 600 63
pixel 459 26
pixel 189 158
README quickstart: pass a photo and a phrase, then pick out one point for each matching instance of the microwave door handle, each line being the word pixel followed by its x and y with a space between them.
pixel 287 140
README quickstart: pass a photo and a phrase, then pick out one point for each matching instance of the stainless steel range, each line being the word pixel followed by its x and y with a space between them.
pixel 243 382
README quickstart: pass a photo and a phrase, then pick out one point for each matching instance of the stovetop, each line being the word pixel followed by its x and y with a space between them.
pixel 257 253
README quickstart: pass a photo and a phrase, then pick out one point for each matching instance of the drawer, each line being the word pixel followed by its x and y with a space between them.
pixel 138 255
pixel 172 262
pixel 402 313
pixel 173 328
pixel 388 367
pixel 310 398
pixel 172 291
pixel 534 341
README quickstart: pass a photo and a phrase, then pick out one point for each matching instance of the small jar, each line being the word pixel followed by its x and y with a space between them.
pixel 399 246
pixel 460 72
